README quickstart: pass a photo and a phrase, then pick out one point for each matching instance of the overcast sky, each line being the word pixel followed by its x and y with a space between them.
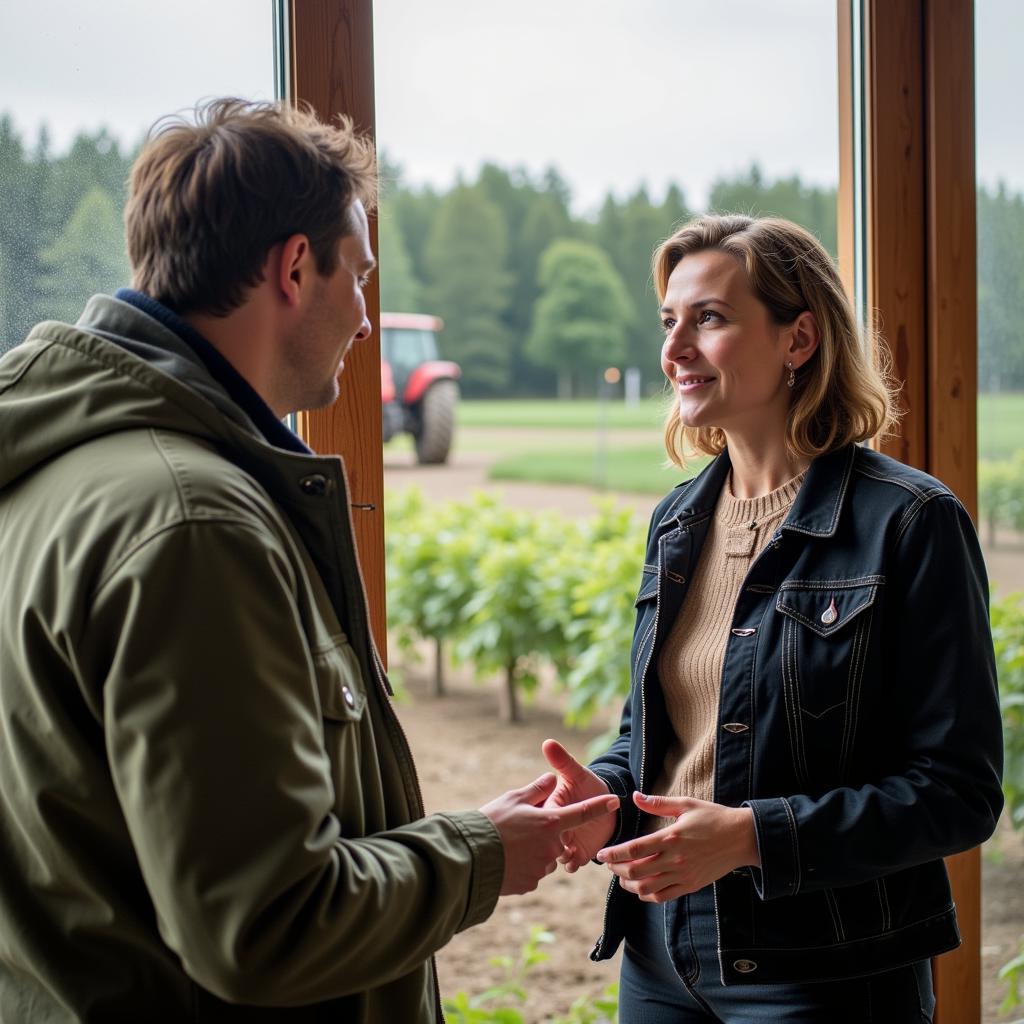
pixel 612 92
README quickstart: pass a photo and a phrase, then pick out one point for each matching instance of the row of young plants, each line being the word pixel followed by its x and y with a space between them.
pixel 1008 637
pixel 503 1002
pixel 1001 495
pixel 512 591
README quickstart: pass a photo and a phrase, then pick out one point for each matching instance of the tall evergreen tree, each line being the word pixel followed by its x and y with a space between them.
pixel 1000 290
pixel 581 320
pixel 750 194
pixel 87 257
pixel 468 285
pixel 400 291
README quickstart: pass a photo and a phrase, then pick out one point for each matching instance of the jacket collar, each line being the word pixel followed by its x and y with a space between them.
pixel 815 511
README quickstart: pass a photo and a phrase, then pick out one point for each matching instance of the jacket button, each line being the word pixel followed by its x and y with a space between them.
pixel 745 966
pixel 315 485
pixel 735 727
pixel 347 694
pixel 744 632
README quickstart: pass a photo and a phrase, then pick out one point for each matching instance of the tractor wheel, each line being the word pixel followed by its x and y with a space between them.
pixel 436 422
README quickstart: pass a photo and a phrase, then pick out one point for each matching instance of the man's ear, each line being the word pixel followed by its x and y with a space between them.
pixel 292 268
pixel 804 337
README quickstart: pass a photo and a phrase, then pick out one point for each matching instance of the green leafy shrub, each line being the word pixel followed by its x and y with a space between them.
pixel 1001 494
pixel 500 1003
pixel 510 627
pixel 1008 638
pixel 432 551
pixel 512 591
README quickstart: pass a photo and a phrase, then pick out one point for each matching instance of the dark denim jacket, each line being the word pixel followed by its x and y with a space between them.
pixel 858 717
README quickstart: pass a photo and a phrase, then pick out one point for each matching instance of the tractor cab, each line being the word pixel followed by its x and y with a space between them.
pixel 419 391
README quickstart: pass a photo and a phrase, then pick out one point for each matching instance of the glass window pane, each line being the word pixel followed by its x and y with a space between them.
pixel 999 26
pixel 77 93
pixel 523 142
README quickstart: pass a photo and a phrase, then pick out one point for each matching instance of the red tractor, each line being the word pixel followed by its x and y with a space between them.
pixel 419 391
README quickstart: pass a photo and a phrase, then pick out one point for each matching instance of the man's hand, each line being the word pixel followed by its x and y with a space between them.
pixel 532 831
pixel 705 842
pixel 576 783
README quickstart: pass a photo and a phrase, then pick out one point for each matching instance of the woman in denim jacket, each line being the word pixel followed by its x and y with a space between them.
pixel 814 721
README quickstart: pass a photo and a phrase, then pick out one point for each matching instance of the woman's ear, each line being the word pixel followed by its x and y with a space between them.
pixel 804 337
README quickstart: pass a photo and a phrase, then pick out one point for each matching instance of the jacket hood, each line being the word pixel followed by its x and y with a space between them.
pixel 116 369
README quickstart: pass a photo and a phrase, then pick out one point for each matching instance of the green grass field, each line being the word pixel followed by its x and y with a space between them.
pixel 567 450
pixel 639 470
pixel 1000 425
pixel 553 414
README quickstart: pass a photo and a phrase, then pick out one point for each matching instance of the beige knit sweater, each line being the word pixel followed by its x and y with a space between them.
pixel 690 664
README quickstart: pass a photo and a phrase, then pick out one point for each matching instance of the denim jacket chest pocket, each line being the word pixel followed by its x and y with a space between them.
pixel 825 645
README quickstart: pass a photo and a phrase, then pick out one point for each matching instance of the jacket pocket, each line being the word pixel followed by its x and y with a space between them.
pixel 339 682
pixel 826 629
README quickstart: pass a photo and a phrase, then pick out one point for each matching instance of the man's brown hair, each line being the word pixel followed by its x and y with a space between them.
pixel 209 196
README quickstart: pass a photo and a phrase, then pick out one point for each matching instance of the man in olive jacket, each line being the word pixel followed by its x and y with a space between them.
pixel 208 810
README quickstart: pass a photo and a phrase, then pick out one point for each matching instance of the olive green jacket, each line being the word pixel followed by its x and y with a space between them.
pixel 208 809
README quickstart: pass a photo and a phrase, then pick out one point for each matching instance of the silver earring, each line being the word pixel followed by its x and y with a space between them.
pixel 791 379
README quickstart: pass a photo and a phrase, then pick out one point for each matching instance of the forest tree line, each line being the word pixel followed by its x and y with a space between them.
pixel 531 293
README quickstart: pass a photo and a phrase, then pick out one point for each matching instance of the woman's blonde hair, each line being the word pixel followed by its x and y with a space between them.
pixel 844 392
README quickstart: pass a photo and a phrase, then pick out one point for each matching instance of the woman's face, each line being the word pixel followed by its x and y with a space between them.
pixel 724 356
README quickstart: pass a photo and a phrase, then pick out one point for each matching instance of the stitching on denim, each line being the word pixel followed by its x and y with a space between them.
pixel 798 724
pixel 753 704
pixel 681 497
pixel 796 845
pixel 908 518
pixel 853 681
pixel 823 713
pixel 861 939
pixel 786 628
pixel 843 584
pixel 833 909
pixel 919 492
pixel 847 473
pixel 640 647
pixel 883 902
pixel 798 712
pixel 828 630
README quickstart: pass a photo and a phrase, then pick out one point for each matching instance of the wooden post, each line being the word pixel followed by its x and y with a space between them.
pixel 921 285
pixel 332 70
pixel 952 359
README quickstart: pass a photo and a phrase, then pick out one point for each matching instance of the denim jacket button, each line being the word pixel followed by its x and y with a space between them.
pixel 744 632
pixel 745 966
pixel 735 727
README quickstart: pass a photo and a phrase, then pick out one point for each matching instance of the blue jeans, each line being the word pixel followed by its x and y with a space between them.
pixel 685 987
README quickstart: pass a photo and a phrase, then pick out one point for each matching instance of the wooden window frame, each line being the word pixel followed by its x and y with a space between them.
pixel 918 175
pixel 331 67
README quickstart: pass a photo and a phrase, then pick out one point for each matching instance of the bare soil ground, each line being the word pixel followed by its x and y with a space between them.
pixel 466 757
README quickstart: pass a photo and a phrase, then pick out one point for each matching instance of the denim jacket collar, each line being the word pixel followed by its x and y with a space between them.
pixel 815 511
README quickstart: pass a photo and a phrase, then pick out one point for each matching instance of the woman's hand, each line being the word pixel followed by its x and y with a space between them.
pixel 577 783
pixel 705 842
